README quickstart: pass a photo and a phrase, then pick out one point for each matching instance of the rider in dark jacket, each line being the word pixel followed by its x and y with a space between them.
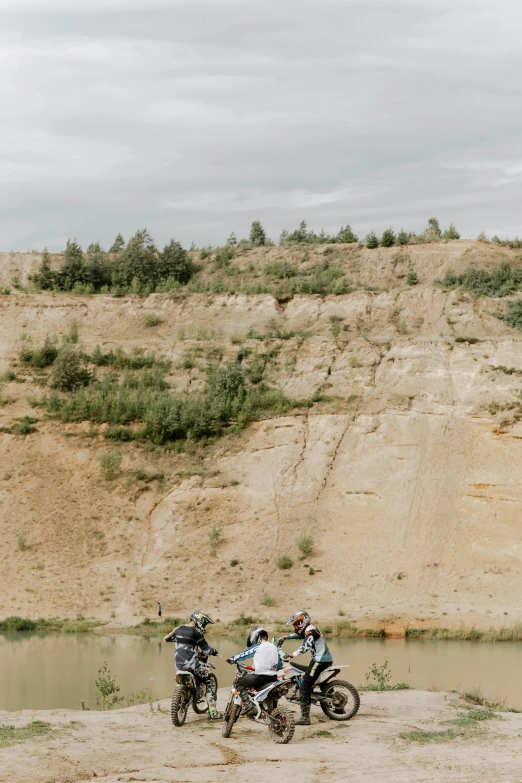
pixel 190 640
pixel 314 642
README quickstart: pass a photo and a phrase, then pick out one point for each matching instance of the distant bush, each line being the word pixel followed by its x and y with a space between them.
pixel 152 319
pixel 403 237
pixel 15 623
pixel 110 464
pixel 305 544
pixel 412 278
pixel 281 269
pixel 39 357
pixel 451 232
pixel 513 317
pixel 267 600
pixel 69 371
pixel 503 280
pixel 170 417
pixel 224 255
pixel 284 562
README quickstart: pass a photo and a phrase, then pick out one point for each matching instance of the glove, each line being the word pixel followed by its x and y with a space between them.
pixel 228 660
pixel 286 657
pixel 281 640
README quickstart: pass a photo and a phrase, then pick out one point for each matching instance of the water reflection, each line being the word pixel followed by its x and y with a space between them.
pixel 45 671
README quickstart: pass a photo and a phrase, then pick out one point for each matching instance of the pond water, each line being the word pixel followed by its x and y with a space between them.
pixel 47 671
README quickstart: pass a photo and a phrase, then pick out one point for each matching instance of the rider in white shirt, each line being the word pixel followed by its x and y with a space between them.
pixel 266 664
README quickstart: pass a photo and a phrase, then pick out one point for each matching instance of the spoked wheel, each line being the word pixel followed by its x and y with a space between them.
pixel 282 725
pixel 343 700
pixel 231 717
pixel 179 705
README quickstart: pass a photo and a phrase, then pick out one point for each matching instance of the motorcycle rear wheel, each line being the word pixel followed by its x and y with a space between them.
pixel 282 727
pixel 233 715
pixel 346 699
pixel 179 705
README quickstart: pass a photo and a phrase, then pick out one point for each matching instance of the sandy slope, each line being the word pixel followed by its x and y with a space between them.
pixel 139 745
pixel 409 486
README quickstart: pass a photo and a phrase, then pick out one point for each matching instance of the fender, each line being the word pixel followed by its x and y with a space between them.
pixel 332 671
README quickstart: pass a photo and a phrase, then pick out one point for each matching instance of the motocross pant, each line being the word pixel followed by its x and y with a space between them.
pixel 256 681
pixel 204 676
pixel 311 673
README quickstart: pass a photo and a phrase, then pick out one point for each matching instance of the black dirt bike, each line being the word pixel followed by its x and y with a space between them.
pixel 338 699
pixel 279 720
pixel 190 690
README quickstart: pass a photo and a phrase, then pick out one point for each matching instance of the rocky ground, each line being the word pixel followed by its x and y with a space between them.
pixel 443 739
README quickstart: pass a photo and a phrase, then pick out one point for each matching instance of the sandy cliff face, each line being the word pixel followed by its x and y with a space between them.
pixel 409 486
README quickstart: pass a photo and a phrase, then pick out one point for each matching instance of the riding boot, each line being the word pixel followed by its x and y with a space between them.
pixel 304 720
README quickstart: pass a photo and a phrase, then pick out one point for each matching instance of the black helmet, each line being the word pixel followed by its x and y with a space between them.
pixel 201 620
pixel 300 620
pixel 253 636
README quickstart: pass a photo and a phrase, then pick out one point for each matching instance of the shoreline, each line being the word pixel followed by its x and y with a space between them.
pixel 337 629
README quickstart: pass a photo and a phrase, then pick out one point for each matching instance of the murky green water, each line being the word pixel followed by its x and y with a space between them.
pixel 39 671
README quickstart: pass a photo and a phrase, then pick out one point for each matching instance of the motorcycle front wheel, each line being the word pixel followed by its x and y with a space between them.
pixel 231 716
pixel 179 705
pixel 343 700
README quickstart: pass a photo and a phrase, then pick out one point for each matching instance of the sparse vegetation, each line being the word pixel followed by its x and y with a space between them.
pixel 215 538
pixel 378 678
pixel 305 544
pixel 284 562
pixel 69 371
pixel 151 319
pixel 107 695
pixel 503 280
pixel 12 735
pixel 267 600
pixel 110 464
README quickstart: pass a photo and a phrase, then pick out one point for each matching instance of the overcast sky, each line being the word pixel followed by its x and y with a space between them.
pixel 195 117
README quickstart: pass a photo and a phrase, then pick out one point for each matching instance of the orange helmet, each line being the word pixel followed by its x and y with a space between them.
pixel 300 620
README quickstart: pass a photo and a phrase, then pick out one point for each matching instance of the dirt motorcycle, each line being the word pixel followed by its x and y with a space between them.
pixel 338 699
pixel 279 720
pixel 190 690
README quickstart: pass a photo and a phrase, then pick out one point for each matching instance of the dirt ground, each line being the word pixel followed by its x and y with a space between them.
pixel 140 744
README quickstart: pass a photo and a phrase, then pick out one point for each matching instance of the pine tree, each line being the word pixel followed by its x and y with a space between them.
pixel 232 240
pixel 73 268
pixel 257 234
pixel 44 278
pixel 451 232
pixel 118 244
pixel 175 263
pixel 433 231
pixel 346 235
pixel 371 240
pixel 388 238
pixel 402 237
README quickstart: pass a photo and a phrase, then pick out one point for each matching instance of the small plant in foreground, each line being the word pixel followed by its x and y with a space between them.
pixel 12 735
pixel 108 691
pixel 378 679
pixel 284 562
pixel 412 278
pixel 305 544
pixel 110 464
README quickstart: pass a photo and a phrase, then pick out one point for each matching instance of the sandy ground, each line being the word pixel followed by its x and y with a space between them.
pixel 138 744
